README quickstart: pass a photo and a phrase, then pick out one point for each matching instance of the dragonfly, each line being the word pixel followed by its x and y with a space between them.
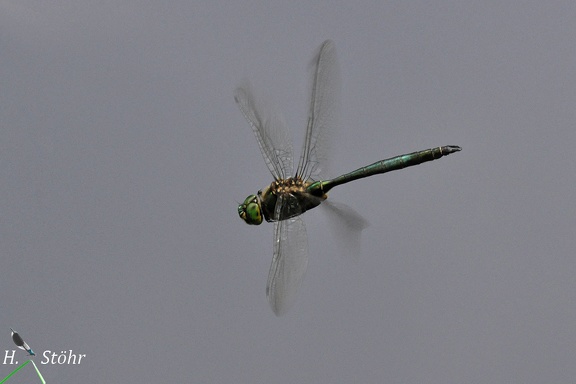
pixel 20 343
pixel 291 194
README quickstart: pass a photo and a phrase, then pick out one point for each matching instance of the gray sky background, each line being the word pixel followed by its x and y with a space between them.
pixel 123 156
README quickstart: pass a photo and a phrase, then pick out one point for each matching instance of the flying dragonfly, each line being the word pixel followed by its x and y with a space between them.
pixel 20 343
pixel 292 194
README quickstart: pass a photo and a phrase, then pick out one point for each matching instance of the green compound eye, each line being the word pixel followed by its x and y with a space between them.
pixel 253 214
pixel 250 211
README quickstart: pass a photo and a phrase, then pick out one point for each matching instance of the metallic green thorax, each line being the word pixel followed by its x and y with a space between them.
pixel 298 195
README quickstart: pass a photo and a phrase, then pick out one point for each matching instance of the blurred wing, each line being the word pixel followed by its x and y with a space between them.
pixel 322 117
pixel 271 133
pixel 347 226
pixel 288 265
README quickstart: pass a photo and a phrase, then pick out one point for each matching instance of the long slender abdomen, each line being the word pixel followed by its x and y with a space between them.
pixel 383 166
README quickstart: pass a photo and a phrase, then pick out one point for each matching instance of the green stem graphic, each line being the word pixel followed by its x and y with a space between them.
pixel 14 371
pixel 20 367
pixel 37 371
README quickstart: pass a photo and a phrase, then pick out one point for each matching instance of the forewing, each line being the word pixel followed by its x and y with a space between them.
pixel 323 113
pixel 273 138
pixel 288 264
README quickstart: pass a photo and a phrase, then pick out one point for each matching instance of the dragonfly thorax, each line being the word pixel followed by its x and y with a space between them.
pixel 295 199
pixel 291 185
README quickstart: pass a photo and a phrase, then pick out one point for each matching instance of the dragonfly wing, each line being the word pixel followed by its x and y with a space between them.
pixel 347 226
pixel 288 264
pixel 323 113
pixel 273 137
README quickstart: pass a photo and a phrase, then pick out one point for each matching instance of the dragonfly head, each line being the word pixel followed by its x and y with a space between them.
pixel 250 210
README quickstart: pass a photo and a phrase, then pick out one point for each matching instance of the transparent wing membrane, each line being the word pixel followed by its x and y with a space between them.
pixel 289 264
pixel 323 113
pixel 271 133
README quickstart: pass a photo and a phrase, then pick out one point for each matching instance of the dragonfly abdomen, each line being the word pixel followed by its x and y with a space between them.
pixel 383 166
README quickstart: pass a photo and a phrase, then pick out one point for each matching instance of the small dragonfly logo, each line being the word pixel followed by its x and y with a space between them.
pixel 20 343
